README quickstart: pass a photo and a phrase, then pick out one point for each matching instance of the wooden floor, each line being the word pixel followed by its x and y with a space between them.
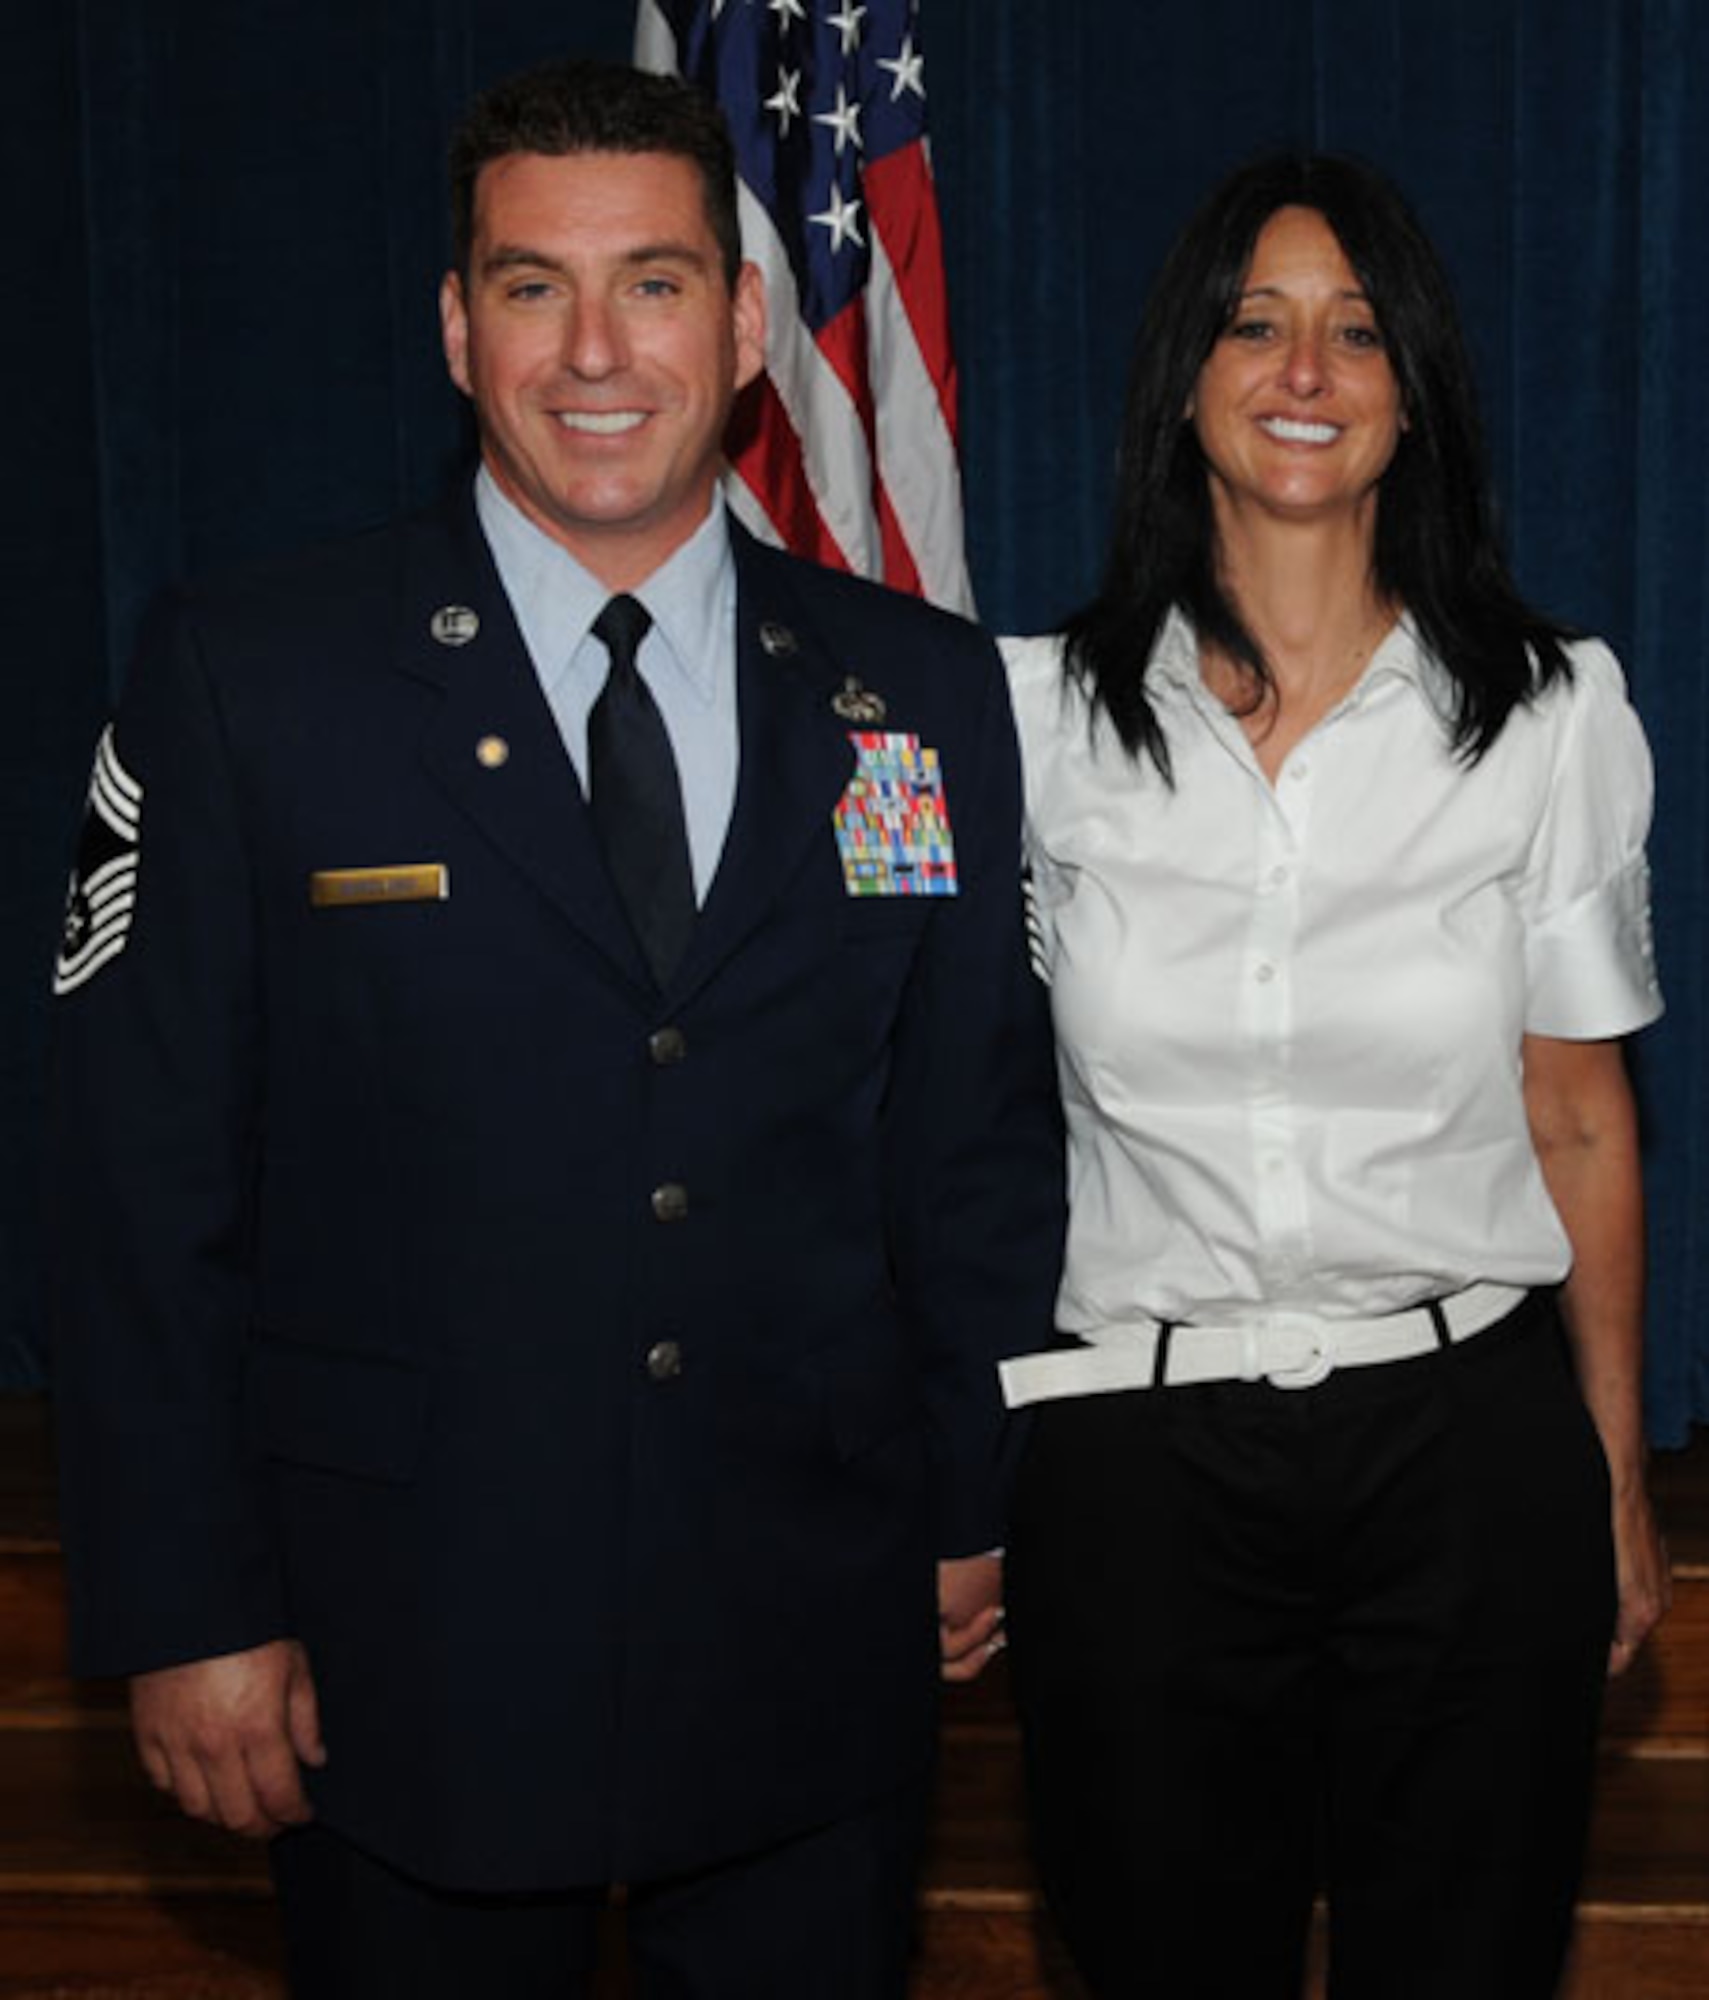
pixel 106 1894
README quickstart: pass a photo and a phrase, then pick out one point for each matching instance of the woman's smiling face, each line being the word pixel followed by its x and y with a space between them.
pixel 1296 407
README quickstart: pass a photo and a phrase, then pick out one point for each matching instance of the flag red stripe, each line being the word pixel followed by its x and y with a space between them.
pixel 900 570
pixel 843 343
pixel 766 454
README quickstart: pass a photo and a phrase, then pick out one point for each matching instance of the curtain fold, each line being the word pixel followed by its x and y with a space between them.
pixel 1664 541
pixel 228 226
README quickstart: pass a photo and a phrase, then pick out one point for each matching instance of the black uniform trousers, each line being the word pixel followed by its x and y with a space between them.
pixel 825 1915
pixel 1351 1637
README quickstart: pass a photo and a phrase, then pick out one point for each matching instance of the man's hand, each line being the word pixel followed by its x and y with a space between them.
pixel 970 1614
pixel 227 1737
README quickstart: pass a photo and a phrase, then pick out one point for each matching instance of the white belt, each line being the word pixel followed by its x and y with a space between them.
pixel 1290 1350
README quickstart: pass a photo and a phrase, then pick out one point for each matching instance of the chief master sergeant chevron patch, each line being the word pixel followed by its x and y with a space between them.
pixel 103 887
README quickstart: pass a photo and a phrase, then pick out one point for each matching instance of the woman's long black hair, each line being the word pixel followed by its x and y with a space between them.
pixel 1437 549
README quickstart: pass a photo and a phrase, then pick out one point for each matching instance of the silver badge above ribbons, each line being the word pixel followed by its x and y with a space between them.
pixel 855 703
pixel 454 624
pixel 776 640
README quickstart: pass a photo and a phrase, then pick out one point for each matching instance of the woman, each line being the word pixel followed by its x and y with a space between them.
pixel 1327 1536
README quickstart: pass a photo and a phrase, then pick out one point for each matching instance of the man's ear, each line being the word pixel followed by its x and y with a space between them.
pixel 454 329
pixel 748 311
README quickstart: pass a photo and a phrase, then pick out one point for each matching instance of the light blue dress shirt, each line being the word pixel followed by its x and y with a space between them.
pixel 687 659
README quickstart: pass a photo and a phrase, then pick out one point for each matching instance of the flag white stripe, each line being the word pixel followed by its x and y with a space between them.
pixel 745 504
pixel 914 444
pixel 823 415
pixel 655 43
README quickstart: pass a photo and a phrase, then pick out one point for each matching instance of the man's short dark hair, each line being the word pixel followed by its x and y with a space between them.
pixel 580 106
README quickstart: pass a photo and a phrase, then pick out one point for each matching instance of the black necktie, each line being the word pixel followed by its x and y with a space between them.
pixel 636 799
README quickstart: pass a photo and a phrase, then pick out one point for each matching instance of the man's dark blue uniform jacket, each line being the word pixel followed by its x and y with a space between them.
pixel 588 1376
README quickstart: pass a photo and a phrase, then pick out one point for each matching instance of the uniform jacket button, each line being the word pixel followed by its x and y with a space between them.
pixel 670 1202
pixel 664 1360
pixel 666 1046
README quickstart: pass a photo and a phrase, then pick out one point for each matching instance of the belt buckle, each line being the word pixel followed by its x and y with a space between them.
pixel 1319 1362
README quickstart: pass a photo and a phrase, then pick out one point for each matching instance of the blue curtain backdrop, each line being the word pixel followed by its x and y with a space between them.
pixel 225 228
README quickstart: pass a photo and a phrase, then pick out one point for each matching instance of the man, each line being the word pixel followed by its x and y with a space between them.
pixel 555 1130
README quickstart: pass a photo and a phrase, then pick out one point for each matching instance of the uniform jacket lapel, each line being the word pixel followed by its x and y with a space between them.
pixel 796 758
pixel 522 792
pixel 795 754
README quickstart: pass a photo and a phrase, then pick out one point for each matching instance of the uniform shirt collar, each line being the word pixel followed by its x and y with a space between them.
pixel 556 599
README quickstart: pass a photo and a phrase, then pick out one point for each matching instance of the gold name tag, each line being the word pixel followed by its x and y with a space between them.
pixel 415 882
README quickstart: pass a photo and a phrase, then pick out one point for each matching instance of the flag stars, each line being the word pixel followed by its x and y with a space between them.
pixel 908 68
pixel 786 100
pixel 844 121
pixel 786 11
pixel 840 220
pixel 846 21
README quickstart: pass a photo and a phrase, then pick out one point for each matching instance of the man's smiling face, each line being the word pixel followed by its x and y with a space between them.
pixel 602 345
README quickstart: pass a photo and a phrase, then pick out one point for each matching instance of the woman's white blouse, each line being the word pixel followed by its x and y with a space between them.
pixel 1289 1017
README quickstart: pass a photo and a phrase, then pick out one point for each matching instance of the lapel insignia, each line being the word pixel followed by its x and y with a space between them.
pixel 892 823
pixel 492 753
pixel 454 624
pixel 777 641
pixel 854 703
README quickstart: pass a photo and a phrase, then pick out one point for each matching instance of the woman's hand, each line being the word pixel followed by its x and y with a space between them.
pixel 1585 1129
pixel 1642 1572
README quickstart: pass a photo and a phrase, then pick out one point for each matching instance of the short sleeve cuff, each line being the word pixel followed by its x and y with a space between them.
pixel 1591 970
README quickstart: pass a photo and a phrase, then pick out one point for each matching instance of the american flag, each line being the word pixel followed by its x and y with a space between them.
pixel 845 450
